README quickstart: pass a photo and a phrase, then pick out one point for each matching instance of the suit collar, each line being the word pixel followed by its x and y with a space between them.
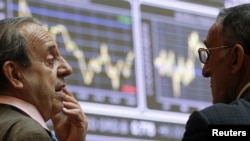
pixel 26 107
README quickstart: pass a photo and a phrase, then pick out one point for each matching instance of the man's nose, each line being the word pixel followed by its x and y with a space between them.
pixel 64 69
pixel 206 71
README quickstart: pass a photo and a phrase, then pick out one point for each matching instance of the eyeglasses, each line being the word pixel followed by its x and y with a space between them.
pixel 204 53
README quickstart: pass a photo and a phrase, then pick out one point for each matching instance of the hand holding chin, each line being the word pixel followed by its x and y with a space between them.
pixel 74 125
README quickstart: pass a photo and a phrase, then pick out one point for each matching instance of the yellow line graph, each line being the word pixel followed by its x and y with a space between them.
pixel 181 71
pixel 94 65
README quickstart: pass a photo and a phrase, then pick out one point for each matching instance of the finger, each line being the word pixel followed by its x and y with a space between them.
pixel 70 105
pixel 70 99
pixel 69 96
pixel 67 92
pixel 72 109
pixel 76 117
pixel 73 113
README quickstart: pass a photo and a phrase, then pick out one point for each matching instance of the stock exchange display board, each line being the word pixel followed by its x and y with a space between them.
pixel 135 65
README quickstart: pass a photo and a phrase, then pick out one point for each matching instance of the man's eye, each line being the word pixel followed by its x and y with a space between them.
pixel 52 60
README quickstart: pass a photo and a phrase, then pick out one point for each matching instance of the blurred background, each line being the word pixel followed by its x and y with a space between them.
pixel 135 65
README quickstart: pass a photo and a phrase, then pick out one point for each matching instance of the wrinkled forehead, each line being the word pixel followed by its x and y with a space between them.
pixel 37 38
pixel 35 34
pixel 32 31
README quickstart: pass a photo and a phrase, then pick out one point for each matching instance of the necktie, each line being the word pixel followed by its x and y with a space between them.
pixel 53 136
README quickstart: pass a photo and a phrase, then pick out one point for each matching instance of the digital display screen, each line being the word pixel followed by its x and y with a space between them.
pixel 136 71
pixel 172 69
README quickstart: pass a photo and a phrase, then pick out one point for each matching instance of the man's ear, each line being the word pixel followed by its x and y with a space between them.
pixel 238 58
pixel 12 72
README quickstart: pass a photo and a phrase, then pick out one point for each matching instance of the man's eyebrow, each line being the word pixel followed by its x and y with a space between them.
pixel 50 47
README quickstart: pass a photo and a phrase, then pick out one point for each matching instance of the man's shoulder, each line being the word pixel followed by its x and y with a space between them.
pixel 237 105
pixel 10 118
pixel 14 123
pixel 234 113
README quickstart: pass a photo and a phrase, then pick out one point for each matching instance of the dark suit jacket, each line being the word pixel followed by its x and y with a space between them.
pixel 235 113
pixel 15 125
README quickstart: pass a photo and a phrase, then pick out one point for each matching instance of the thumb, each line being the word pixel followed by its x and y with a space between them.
pixel 56 119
